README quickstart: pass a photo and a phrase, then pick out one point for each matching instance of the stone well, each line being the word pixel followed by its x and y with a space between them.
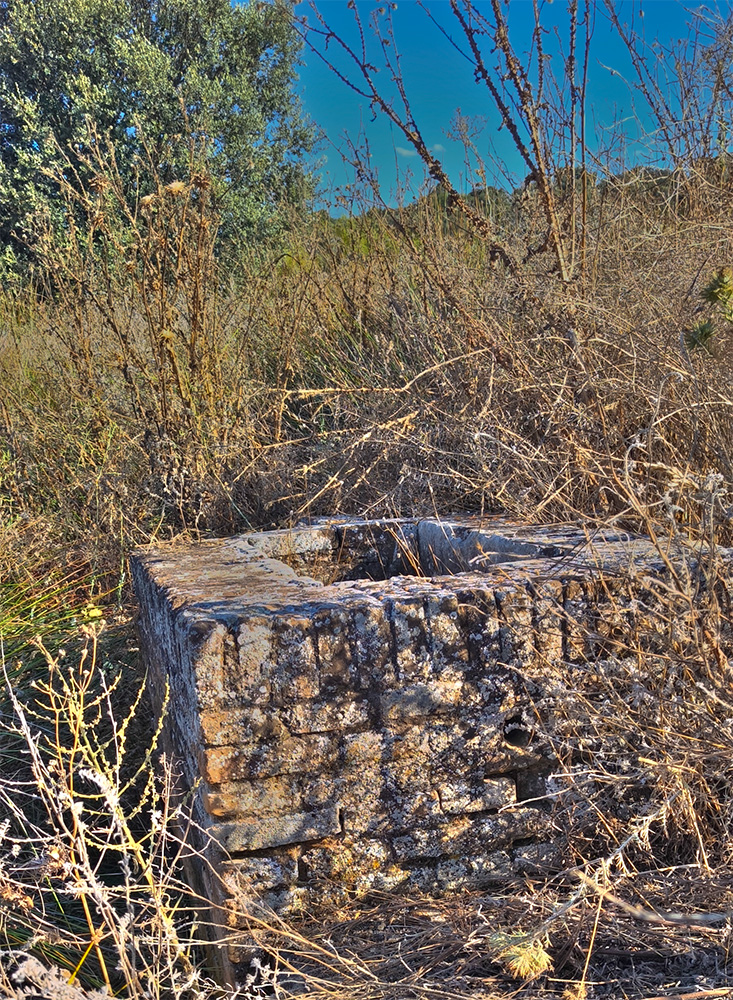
pixel 353 705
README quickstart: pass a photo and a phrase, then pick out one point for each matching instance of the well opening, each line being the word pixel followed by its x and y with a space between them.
pixel 380 550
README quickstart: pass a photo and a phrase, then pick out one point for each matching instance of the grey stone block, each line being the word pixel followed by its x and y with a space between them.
pixel 253 834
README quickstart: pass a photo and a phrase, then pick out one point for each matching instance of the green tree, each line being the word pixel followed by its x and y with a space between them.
pixel 153 77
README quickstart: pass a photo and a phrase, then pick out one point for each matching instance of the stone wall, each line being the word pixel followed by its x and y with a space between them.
pixel 355 704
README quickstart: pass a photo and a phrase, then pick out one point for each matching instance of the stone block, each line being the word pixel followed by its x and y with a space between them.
pixel 295 676
pixel 256 833
pixel 269 796
pixel 372 647
pixel 478 617
pixel 247 877
pixel 448 643
pixel 549 617
pixel 285 904
pixel 306 550
pixel 337 665
pixel 417 700
pixel 405 805
pixel 477 872
pixel 361 751
pixel 353 864
pixel 251 673
pixel 410 639
pixel 241 727
pixel 467 835
pixel 538 859
pixel 281 795
pixel 516 629
pixel 579 623
pixel 334 715
pixel 281 755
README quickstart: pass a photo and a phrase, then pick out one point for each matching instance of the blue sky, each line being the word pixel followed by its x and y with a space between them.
pixel 439 81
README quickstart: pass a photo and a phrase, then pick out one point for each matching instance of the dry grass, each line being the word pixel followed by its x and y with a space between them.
pixel 373 366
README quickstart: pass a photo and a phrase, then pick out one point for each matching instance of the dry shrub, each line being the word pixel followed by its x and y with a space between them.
pixel 346 379
pixel 90 852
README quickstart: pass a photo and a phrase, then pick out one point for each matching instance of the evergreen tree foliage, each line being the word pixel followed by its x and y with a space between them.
pixel 154 77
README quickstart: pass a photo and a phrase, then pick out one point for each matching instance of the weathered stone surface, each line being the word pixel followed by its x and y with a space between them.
pixel 270 757
pixel 252 834
pixel 418 700
pixel 454 874
pixel 251 876
pixel 465 836
pixel 469 796
pixel 354 705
